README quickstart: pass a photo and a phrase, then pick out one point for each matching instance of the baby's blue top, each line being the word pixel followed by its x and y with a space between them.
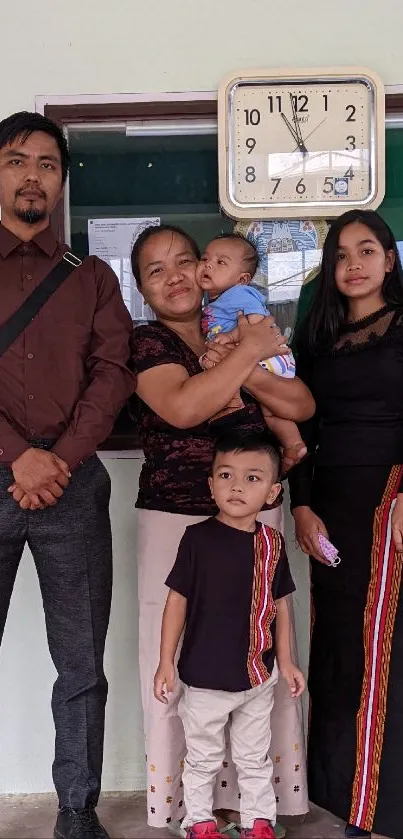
pixel 221 314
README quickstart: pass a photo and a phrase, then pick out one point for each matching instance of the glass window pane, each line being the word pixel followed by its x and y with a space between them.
pixel 172 177
pixel 392 207
pixel 288 251
pixel 175 178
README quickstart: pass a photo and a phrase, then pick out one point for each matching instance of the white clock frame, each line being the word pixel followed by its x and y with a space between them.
pixel 301 208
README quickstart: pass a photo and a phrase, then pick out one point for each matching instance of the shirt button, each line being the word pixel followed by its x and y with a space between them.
pixel 1 451
pixel 32 432
pixel 29 277
pixel 30 355
pixel 31 396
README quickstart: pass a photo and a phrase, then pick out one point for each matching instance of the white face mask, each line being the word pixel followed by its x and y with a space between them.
pixel 329 551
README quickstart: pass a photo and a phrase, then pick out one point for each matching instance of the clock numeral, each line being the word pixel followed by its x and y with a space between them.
pixel 274 104
pixel 300 104
pixel 328 186
pixel 351 142
pixel 250 144
pixel 250 174
pixel 300 188
pixel 252 117
pixel 351 109
pixel 349 173
pixel 277 182
pixel 325 96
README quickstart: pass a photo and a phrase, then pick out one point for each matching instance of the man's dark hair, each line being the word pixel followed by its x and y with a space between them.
pixel 155 230
pixel 241 441
pixel 251 257
pixel 24 123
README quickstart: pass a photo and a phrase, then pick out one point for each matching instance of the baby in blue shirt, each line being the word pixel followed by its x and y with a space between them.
pixel 224 273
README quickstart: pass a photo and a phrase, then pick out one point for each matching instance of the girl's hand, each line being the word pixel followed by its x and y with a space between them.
pixel 307 528
pixel 397 524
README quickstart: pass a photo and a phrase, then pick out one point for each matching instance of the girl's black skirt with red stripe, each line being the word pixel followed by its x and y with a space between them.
pixel 355 746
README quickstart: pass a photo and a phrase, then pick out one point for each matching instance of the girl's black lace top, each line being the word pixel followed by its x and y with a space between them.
pixel 358 389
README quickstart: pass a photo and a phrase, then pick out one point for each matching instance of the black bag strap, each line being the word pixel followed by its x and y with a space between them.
pixel 33 304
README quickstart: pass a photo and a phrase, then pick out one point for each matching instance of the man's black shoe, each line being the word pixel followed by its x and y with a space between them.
pixel 79 824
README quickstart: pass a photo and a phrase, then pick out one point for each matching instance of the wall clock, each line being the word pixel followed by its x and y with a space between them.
pixel 301 143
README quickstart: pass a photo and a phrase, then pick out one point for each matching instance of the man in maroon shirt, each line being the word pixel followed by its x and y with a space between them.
pixel 63 380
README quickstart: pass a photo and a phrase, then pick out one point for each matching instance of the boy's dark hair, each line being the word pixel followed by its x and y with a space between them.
pixel 241 441
pixel 251 257
pixel 154 230
pixel 25 123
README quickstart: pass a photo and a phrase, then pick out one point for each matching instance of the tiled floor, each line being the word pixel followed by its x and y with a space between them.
pixel 33 817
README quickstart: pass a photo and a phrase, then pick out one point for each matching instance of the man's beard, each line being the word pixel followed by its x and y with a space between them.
pixel 30 216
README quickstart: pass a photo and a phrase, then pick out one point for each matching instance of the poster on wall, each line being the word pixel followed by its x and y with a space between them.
pixel 289 251
pixel 112 240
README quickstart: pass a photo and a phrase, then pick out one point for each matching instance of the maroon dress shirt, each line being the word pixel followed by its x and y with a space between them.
pixel 65 377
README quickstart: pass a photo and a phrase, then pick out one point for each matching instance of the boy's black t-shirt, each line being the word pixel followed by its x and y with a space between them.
pixel 231 579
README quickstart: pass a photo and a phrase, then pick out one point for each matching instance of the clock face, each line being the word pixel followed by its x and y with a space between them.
pixel 293 145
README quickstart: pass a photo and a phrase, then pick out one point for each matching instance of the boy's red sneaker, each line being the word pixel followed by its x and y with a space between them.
pixel 261 829
pixel 203 830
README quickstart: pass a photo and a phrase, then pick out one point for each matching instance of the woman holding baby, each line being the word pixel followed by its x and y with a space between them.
pixel 175 401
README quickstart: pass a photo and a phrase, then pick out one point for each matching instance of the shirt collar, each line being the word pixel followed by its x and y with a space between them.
pixel 45 241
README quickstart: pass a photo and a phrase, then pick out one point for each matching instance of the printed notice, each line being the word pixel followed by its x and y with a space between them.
pixel 113 238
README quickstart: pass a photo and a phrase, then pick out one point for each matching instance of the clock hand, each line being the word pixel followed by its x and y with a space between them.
pixel 312 132
pixel 290 128
pixel 294 116
pixel 300 142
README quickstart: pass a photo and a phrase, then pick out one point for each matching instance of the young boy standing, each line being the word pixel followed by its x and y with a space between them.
pixel 229 585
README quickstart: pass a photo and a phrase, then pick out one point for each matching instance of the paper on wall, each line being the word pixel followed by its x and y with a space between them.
pixel 113 238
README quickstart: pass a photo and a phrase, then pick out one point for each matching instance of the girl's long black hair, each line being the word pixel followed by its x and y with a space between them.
pixel 320 328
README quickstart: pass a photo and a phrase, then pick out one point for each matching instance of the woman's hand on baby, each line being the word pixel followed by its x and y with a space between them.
pixel 164 681
pixel 264 337
pixel 226 339
pixel 215 353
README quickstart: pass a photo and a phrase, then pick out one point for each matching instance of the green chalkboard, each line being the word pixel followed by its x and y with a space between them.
pixel 392 207
pixel 172 177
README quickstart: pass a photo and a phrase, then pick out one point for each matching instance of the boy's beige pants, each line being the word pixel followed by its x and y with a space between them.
pixel 204 715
